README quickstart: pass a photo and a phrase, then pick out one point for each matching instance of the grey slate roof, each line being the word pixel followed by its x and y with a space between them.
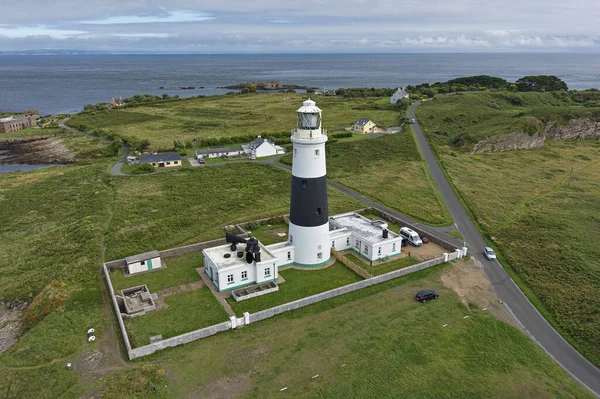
pixel 257 142
pixel 140 257
pixel 169 157
pixel 361 121
pixel 218 150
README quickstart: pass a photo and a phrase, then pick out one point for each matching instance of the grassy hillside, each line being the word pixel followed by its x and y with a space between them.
pixel 461 120
pixel 388 169
pixel 225 116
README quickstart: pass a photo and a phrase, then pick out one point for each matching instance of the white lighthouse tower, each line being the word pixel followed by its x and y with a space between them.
pixel 309 224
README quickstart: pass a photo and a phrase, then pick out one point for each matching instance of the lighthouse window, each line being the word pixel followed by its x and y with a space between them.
pixel 295 152
pixel 316 153
pixel 348 241
pixel 304 183
pixel 318 210
pixel 320 255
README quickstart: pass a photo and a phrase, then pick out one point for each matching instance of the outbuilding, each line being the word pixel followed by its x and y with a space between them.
pixel 143 262
pixel 262 148
pixel 400 94
pixel 167 160
pixel 364 126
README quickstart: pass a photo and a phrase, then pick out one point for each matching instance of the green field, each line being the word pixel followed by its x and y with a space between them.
pixel 373 343
pixel 298 284
pixel 455 123
pixel 185 312
pixel 389 170
pixel 382 268
pixel 226 116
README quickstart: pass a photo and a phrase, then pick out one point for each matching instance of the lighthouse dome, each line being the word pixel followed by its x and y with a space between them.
pixel 309 107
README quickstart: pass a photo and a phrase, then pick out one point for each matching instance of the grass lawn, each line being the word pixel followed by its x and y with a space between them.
pixel 382 268
pixel 373 343
pixel 269 233
pixel 455 233
pixel 179 270
pixel 189 206
pixel 546 229
pixel 226 116
pixel 186 312
pixel 298 284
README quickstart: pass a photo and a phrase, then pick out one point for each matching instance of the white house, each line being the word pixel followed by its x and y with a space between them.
pixel 143 262
pixel 262 148
pixel 370 239
pixel 168 160
pixel 400 94
pixel 230 270
pixel 217 152
pixel 364 126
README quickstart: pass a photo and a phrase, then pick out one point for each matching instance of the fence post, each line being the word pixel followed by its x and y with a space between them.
pixel 233 320
pixel 246 318
pixel 458 253
pixel 464 251
pixel 445 257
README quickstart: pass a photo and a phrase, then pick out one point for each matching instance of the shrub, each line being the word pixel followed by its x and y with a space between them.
pixel 143 169
pixel 341 135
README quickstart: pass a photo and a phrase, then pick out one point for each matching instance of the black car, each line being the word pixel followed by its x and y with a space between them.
pixel 425 295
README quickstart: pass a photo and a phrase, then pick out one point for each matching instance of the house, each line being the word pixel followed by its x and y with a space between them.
pixel 229 269
pixel 167 160
pixel 17 122
pixel 143 262
pixel 370 239
pixel 400 94
pixel 256 149
pixel 217 152
pixel 364 126
pixel 262 148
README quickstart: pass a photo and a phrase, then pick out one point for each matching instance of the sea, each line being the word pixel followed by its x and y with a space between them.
pixel 55 84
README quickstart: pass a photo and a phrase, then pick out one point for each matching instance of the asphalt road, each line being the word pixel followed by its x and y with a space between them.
pixel 526 314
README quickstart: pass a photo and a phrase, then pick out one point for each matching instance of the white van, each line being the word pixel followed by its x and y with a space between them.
pixel 411 236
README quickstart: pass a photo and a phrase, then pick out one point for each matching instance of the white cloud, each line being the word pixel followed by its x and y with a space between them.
pixel 144 35
pixel 168 16
pixel 31 31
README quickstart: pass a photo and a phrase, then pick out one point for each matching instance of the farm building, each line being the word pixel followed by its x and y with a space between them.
pixel 364 126
pixel 369 238
pixel 256 149
pixel 400 94
pixel 143 262
pixel 168 160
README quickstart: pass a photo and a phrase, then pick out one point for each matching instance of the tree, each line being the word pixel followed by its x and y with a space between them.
pixel 541 83
pixel 143 145
pixel 249 89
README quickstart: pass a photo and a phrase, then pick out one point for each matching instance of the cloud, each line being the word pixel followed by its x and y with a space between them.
pixel 166 17
pixel 145 35
pixel 11 31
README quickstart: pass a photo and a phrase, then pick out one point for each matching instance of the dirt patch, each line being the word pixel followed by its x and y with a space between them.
pixel 10 325
pixel 230 387
pixel 469 281
pixel 181 288
pixel 424 252
pixel 35 150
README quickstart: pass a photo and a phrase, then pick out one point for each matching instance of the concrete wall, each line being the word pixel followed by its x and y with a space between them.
pixel 117 310
pixel 265 314
pixel 178 340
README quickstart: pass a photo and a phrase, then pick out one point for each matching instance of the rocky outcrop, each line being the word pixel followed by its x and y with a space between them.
pixel 508 142
pixel 575 129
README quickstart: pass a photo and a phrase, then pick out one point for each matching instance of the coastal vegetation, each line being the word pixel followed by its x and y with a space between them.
pixel 538 207
pixel 203 121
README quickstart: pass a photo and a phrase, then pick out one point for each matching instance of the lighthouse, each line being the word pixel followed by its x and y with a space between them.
pixel 309 224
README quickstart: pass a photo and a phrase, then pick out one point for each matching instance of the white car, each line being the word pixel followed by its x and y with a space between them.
pixel 489 253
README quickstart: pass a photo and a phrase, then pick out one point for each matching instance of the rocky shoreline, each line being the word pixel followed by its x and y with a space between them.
pixel 34 150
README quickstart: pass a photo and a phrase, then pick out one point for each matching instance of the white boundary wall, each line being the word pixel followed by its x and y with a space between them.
pixel 263 314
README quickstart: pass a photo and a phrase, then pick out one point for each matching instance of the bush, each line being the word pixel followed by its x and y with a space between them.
pixel 143 169
pixel 342 135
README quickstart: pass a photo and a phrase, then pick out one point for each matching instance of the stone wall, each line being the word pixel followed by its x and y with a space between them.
pixel 300 303
pixel 178 340
pixel 117 309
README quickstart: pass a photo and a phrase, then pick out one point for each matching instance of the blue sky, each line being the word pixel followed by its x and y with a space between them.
pixel 268 26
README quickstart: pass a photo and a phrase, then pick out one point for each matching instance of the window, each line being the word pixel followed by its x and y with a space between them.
pixel 168 163
pixel 318 210
pixel 366 250
pixel 143 262
pixel 267 272
pixel 394 247
pixel 291 239
pixel 357 244
pixel 347 240
pixel 304 183
pixel 289 256
pixel 244 275
pixel 379 251
pixel 333 244
pixel 230 279
pixel 320 255
pixel 317 153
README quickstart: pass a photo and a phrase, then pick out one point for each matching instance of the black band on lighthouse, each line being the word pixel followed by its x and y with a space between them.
pixel 308 204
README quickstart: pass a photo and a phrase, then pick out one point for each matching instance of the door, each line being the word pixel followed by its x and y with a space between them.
pixel 149 263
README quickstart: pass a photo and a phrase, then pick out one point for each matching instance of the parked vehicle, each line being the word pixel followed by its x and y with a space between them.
pixel 489 253
pixel 425 240
pixel 426 295
pixel 201 161
pixel 413 121
pixel 411 236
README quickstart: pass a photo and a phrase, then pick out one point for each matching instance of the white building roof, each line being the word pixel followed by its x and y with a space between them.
pixel 8 119
pixel 368 230
pixel 219 259
pixel 309 107
pixel 145 256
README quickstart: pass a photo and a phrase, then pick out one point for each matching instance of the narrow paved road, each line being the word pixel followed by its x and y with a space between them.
pixel 526 314
pixel 116 168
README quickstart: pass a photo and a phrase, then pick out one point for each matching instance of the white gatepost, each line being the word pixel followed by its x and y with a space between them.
pixel 233 320
pixel 464 251
pixel 458 253
pixel 445 257
pixel 246 318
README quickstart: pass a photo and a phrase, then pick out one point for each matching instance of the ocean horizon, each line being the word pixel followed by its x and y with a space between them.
pixel 65 83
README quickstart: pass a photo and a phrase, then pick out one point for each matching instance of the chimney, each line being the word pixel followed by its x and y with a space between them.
pixel 385 233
